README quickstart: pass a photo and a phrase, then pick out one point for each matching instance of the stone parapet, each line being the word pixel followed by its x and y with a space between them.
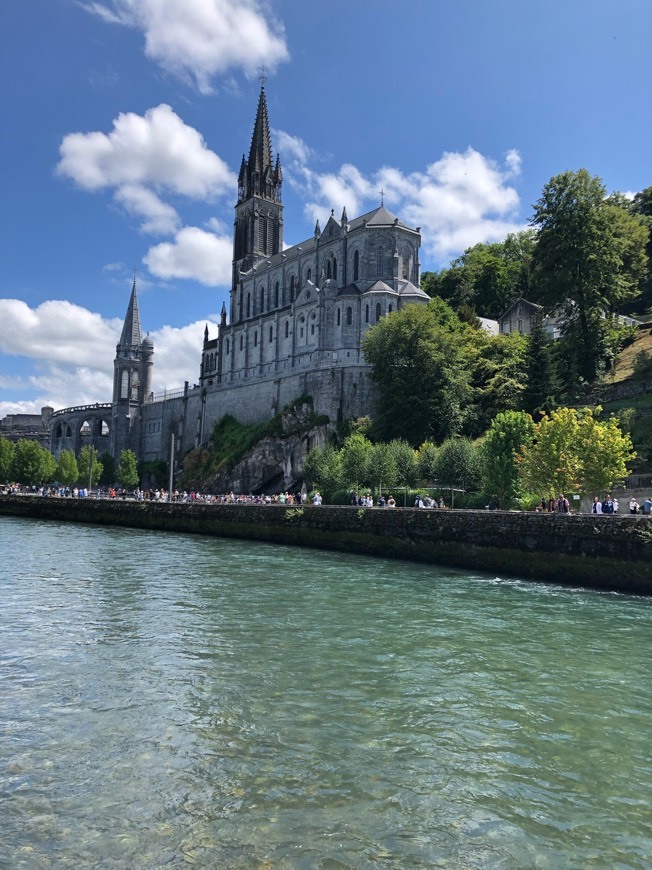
pixel 607 552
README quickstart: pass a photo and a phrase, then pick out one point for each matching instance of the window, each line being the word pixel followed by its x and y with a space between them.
pixel 405 263
pixel 124 385
pixel 377 312
pixel 287 328
pixel 312 329
pixel 255 338
pixel 276 295
pixel 339 316
pixel 271 334
pixel 366 314
pixel 328 270
pixel 309 275
pixel 262 299
pixel 227 345
pixel 241 343
pixel 349 316
pixel 356 266
pixel 262 234
pixel 334 269
pixel 248 304
pixel 390 309
pixel 292 289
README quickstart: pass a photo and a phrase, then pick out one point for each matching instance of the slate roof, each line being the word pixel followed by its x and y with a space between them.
pixel 132 333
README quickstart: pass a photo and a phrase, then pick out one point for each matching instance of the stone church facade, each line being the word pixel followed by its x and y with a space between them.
pixel 295 321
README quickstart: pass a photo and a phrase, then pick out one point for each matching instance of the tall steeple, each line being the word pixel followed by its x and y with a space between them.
pixel 132 334
pixel 258 225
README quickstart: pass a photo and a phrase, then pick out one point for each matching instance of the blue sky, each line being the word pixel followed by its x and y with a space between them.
pixel 124 123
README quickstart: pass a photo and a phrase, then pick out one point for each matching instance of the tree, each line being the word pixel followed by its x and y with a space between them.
pixel 540 384
pixel 67 471
pixel 382 471
pixel 355 460
pixel 497 376
pixel 89 458
pixel 418 363
pixel 108 468
pixel 127 472
pixel 509 432
pixel 458 465
pixel 7 451
pixel 32 464
pixel 322 468
pixel 486 278
pixel 407 465
pixel 427 459
pixel 572 451
pixel 589 258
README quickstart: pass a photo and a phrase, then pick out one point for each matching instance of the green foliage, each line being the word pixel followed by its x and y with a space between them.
pixel 407 462
pixel 322 468
pixel 108 468
pixel 127 472
pixel 458 464
pixel 497 375
pixel 7 452
pixel 67 472
pixel 573 451
pixel 89 456
pixel 32 464
pixel 589 260
pixel 418 363
pixel 153 473
pixel 486 278
pixel 540 385
pixel 381 469
pixel 355 461
pixel 427 459
pixel 508 434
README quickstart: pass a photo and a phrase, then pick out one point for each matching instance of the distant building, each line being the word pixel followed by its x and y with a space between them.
pixel 521 315
pixel 31 427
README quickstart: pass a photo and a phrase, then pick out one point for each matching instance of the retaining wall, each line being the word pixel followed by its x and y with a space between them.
pixel 606 552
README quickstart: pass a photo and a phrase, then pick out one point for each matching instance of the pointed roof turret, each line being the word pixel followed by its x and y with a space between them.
pixel 132 334
pixel 317 229
pixel 278 172
pixel 260 153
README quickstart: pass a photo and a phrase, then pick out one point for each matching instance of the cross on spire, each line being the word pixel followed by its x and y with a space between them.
pixel 262 70
pixel 382 197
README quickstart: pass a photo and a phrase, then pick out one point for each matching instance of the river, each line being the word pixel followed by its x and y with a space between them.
pixel 170 700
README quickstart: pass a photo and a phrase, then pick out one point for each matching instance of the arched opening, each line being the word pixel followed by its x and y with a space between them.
pixel 349 316
pixel 356 265
pixel 339 316
pixel 377 312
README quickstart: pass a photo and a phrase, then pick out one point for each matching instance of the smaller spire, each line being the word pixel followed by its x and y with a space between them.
pixel 223 315
pixel 317 229
pixel 344 221
pixel 205 335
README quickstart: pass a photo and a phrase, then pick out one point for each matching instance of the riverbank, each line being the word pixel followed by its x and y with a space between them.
pixel 605 552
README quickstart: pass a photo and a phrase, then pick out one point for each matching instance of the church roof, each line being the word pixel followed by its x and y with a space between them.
pixel 379 217
pixel 132 334
pixel 407 288
pixel 380 287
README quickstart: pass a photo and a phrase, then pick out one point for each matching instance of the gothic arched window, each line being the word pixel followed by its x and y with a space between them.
pixel 287 328
pixel 349 316
pixel 328 270
pixel 356 265
pixel 292 289
pixel 334 269
pixel 309 275
pixel 276 295
pixel 248 304
pixel 124 385
pixel 377 312
pixel 366 314
pixel 227 345
pixel 255 338
pixel 262 234
pixel 271 334
pixel 241 342
pixel 262 299
pixel 339 316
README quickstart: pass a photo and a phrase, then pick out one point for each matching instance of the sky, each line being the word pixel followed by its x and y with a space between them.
pixel 124 123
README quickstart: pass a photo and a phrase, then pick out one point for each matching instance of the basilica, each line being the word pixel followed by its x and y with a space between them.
pixel 295 320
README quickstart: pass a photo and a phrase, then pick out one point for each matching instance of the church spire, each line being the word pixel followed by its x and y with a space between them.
pixel 132 334
pixel 260 153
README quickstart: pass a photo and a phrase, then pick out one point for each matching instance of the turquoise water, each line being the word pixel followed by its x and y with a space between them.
pixel 172 700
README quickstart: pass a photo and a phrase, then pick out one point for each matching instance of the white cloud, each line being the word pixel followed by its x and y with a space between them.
pixel 199 39
pixel 459 200
pixel 194 253
pixel 72 351
pixel 142 158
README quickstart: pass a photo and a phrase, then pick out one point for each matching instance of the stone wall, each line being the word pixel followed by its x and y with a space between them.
pixel 610 553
